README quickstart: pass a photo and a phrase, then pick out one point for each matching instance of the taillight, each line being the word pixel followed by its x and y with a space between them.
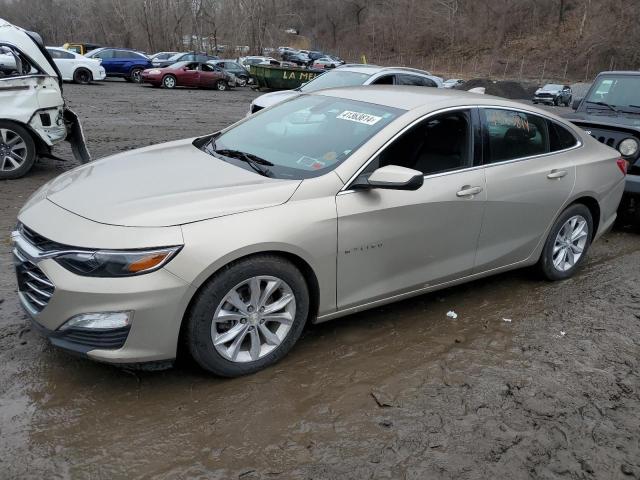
pixel 622 165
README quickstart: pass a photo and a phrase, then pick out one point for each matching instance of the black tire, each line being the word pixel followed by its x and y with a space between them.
pixel 535 103
pixel 242 81
pixel 556 102
pixel 197 333
pixel 222 85
pixel 545 264
pixel 169 81
pixel 29 152
pixel 82 76
pixel 135 75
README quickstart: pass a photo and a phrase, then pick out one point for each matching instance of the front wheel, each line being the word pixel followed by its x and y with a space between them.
pixel 169 82
pixel 567 244
pixel 248 316
pixel 17 151
pixel 221 85
pixel 242 81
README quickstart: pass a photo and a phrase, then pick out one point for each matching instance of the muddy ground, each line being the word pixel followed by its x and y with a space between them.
pixel 397 392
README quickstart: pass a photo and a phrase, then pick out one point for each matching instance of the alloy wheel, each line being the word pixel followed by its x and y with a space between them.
pixel 253 319
pixel 13 150
pixel 169 82
pixel 570 243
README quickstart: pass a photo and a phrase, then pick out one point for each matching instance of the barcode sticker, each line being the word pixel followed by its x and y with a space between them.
pixel 359 117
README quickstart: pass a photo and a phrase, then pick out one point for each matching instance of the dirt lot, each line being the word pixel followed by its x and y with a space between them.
pixel 398 392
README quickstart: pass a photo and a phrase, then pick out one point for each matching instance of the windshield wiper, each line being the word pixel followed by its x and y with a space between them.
pixel 254 161
pixel 604 104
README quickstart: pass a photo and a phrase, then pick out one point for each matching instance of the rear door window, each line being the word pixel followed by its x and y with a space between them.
pixel 511 134
pixel 384 80
pixel 415 80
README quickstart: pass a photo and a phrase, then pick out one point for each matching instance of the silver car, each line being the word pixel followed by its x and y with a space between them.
pixel 321 206
pixel 351 75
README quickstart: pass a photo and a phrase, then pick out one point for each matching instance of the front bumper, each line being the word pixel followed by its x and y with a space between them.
pixel 633 185
pixel 151 79
pixel 51 295
pixel 544 99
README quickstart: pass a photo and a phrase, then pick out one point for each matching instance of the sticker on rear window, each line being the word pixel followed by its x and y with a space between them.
pixel 359 117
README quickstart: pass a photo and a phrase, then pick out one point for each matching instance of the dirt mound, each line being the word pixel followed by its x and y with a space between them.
pixel 501 88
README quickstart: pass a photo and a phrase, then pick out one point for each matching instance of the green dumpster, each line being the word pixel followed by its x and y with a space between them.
pixel 282 78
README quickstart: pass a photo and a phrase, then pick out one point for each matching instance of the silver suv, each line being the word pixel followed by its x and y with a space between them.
pixel 351 75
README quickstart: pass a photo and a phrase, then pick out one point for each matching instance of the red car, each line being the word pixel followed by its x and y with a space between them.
pixel 189 74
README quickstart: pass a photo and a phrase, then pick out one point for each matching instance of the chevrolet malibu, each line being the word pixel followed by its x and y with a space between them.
pixel 330 203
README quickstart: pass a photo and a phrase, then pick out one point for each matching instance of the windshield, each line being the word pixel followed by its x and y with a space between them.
pixel 620 91
pixel 335 79
pixel 552 87
pixel 304 137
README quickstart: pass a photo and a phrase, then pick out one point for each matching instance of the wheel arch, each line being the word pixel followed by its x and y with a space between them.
pixel 41 146
pixel 302 264
pixel 594 208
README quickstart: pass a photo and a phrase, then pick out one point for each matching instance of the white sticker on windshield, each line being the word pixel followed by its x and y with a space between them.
pixel 359 117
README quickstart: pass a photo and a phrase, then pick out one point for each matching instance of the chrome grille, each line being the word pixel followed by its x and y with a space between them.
pixel 34 287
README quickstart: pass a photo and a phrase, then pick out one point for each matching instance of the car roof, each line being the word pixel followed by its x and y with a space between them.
pixel 621 72
pixel 412 97
pixel 372 69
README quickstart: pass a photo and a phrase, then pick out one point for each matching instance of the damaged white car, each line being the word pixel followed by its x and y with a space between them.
pixel 33 115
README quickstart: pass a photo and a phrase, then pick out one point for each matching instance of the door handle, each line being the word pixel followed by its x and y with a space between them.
pixel 468 191
pixel 556 174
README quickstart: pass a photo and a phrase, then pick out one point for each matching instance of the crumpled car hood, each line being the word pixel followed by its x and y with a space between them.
pixel 164 185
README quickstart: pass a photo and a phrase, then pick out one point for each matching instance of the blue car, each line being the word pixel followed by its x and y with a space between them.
pixel 121 62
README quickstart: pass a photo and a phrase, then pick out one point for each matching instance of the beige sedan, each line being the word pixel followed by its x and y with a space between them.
pixel 315 208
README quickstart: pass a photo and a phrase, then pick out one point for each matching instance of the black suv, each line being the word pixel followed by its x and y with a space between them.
pixel 610 113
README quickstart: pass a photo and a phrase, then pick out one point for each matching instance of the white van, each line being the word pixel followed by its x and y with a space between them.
pixel 33 115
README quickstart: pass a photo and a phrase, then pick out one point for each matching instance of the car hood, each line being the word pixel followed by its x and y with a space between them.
pixel 272 98
pixel 164 185
pixel 540 90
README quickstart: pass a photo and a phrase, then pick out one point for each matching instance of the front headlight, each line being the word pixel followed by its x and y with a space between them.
pixel 115 263
pixel 628 147
pixel 154 71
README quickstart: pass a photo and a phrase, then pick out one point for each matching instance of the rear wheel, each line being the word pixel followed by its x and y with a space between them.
pixel 82 76
pixel 567 244
pixel 169 81
pixel 17 151
pixel 221 85
pixel 248 316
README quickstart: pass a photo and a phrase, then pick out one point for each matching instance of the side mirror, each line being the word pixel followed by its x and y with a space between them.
pixel 576 103
pixel 391 177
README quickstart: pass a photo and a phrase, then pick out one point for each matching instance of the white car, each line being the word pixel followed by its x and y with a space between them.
pixel 75 67
pixel 33 114
pixel 326 62
pixel 452 83
pixel 351 75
